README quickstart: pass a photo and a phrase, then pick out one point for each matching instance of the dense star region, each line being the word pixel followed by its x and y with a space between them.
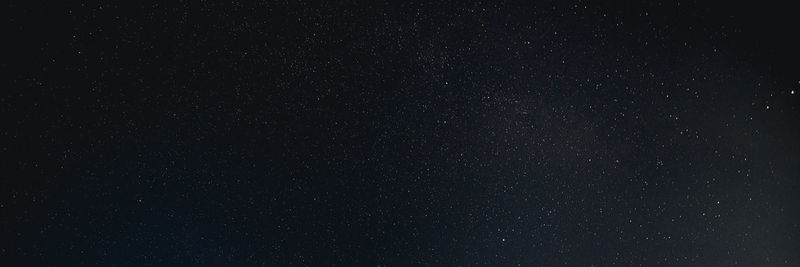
pixel 400 134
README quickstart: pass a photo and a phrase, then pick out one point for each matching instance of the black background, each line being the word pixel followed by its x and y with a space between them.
pixel 273 133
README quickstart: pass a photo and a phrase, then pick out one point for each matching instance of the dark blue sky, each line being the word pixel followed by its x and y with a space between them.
pixel 399 134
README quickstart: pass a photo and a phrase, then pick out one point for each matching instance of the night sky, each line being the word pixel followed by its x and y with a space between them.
pixel 229 133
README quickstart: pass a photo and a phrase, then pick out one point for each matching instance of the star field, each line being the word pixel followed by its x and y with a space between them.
pixel 399 134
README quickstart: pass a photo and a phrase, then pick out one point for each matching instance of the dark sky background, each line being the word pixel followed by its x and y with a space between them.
pixel 230 133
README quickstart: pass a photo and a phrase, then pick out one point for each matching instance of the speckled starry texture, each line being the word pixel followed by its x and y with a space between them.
pixel 270 133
